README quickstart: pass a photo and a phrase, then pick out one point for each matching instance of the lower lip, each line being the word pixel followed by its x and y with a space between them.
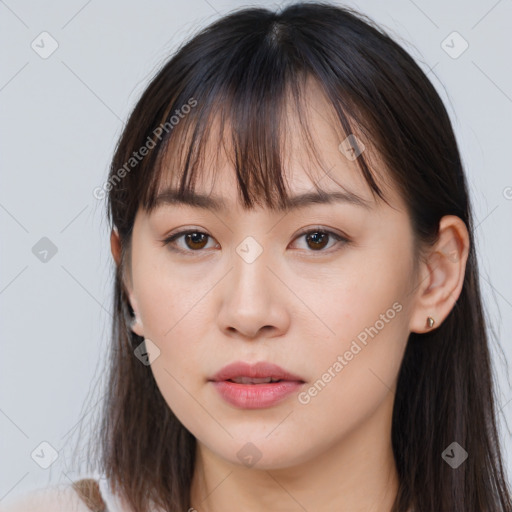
pixel 256 396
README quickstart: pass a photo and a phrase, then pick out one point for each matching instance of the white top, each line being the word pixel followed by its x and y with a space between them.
pixel 112 501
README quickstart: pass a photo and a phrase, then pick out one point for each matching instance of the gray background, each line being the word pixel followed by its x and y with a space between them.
pixel 61 117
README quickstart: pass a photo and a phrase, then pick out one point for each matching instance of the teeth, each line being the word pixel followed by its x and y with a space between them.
pixel 250 380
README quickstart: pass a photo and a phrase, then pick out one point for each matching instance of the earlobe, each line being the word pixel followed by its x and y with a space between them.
pixel 442 276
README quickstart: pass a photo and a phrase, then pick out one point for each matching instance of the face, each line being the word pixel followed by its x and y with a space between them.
pixel 322 291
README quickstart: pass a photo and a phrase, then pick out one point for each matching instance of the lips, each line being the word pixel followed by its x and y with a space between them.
pixel 259 373
pixel 256 386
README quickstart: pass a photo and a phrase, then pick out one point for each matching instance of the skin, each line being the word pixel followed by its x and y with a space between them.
pixel 298 308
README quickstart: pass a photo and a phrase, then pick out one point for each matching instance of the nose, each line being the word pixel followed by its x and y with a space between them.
pixel 253 301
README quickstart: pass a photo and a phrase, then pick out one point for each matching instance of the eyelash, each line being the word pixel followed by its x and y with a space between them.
pixel 172 238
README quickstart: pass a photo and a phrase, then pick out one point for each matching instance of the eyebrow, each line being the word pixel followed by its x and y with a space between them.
pixel 210 202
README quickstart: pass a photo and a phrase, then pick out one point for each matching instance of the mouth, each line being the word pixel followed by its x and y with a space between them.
pixel 255 386
pixel 259 373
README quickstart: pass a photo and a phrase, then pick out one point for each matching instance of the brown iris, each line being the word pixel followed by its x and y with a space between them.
pixel 198 240
pixel 318 239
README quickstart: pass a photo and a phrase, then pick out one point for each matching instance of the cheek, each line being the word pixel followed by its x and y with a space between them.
pixel 365 316
pixel 174 316
pixel 167 294
pixel 355 371
pixel 360 298
pixel 175 321
pixel 178 370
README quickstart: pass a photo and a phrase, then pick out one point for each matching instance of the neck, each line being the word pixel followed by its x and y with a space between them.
pixel 357 473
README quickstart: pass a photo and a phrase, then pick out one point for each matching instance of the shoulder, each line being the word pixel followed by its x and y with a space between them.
pixel 54 498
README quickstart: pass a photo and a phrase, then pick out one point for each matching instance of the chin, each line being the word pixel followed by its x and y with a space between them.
pixel 255 452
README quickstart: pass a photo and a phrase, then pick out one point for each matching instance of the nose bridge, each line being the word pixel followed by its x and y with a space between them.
pixel 250 298
pixel 252 255
pixel 250 273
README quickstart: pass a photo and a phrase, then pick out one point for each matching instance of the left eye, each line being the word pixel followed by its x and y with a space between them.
pixel 316 240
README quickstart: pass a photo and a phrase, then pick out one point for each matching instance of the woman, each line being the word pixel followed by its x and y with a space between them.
pixel 298 320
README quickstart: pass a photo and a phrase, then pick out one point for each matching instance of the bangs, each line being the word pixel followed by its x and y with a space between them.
pixel 247 118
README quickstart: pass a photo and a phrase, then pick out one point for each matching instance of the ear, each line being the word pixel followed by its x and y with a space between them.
pixel 115 246
pixel 441 275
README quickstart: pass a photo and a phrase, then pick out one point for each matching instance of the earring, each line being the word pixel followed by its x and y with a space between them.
pixel 430 322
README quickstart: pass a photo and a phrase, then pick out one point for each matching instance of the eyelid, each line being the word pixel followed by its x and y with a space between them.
pixel 322 229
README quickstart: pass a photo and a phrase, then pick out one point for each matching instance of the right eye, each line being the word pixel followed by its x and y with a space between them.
pixel 193 239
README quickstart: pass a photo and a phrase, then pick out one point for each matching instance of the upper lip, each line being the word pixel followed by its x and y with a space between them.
pixel 260 369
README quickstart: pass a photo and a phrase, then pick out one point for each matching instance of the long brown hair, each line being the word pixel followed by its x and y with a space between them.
pixel 243 69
